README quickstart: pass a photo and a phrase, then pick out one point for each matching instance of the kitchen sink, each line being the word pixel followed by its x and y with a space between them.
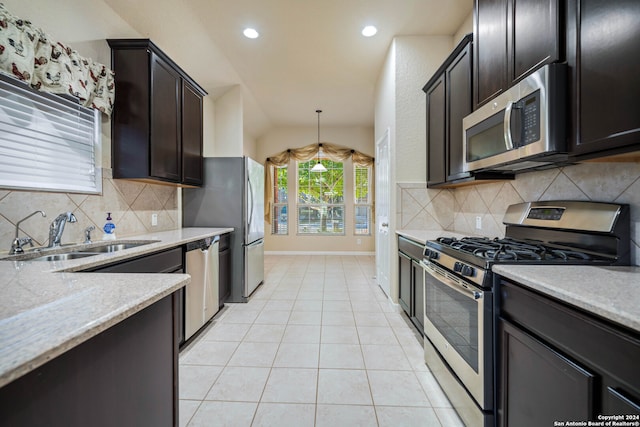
pixel 63 257
pixel 75 251
pixel 113 247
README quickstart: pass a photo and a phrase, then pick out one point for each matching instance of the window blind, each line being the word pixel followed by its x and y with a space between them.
pixel 47 142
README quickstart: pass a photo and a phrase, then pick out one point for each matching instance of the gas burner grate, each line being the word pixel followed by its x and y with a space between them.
pixel 508 249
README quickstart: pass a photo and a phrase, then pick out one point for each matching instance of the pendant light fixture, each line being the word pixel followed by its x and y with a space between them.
pixel 318 167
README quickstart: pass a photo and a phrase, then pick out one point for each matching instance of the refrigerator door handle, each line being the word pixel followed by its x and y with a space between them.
pixel 251 199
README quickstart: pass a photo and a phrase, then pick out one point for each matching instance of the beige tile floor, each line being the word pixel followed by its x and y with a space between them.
pixel 317 345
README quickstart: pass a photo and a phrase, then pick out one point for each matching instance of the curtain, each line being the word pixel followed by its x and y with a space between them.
pixel 29 54
pixel 304 154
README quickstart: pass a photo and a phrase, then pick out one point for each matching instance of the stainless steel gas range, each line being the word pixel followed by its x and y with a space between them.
pixel 461 299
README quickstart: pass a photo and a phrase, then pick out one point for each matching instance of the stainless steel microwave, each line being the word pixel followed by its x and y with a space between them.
pixel 522 128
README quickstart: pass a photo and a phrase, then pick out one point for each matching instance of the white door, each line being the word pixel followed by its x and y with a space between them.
pixel 383 194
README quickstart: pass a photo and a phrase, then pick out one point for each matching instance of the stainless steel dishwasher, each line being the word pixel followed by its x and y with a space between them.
pixel 201 295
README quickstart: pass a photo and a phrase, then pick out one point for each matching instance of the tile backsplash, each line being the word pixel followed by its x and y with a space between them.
pixel 131 205
pixel 456 209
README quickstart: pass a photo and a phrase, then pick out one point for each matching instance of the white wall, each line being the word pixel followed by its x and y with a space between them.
pixel 208 127
pixel 229 133
pixel 249 146
pixel 417 58
pixel 465 28
pixel 282 138
pixel 401 108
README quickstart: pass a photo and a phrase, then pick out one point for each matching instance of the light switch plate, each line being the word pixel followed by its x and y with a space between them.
pixel 154 219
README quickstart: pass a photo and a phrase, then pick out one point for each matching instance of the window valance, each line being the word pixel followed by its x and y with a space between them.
pixel 303 154
pixel 29 54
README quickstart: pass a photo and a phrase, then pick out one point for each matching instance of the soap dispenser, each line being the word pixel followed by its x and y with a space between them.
pixel 109 229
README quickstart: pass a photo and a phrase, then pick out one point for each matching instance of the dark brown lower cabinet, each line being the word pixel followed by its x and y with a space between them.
pixel 557 363
pixel 411 281
pixel 404 282
pixel 418 296
pixel 224 269
pixel 124 376
pixel 540 385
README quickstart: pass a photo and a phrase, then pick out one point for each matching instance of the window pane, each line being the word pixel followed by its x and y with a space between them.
pixel 321 198
pixel 321 219
pixel 280 181
pixel 363 219
pixel 279 218
pixel 362 198
pixel 362 184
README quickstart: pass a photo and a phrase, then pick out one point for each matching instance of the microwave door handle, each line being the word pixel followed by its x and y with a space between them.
pixel 508 141
pixel 471 294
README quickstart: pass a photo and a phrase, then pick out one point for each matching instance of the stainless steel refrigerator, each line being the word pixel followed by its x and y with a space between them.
pixel 232 196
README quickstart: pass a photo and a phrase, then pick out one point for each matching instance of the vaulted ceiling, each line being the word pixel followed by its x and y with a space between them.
pixel 310 54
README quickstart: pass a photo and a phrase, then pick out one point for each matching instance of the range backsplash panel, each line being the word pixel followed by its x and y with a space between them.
pixel 131 205
pixel 420 208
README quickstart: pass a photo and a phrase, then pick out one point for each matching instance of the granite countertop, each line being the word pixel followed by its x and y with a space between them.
pixel 421 236
pixel 47 308
pixel 611 293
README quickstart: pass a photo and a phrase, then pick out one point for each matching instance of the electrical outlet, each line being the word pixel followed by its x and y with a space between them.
pixel 154 219
pixel 478 223
pixel 358 241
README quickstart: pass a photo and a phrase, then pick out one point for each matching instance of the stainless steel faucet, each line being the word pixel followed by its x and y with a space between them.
pixel 16 245
pixel 87 234
pixel 57 227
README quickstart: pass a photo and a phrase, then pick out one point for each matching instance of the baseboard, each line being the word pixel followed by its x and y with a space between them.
pixel 336 253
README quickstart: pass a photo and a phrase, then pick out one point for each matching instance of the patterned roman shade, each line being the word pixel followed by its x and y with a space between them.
pixel 29 54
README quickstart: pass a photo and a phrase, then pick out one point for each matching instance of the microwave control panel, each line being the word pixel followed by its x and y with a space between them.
pixel 530 111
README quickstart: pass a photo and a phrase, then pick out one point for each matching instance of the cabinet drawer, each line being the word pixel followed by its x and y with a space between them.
pixel 409 247
pixel 160 262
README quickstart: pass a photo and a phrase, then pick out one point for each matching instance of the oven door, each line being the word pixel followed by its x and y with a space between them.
pixel 458 321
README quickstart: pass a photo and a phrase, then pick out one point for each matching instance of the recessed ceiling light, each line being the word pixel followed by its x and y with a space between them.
pixel 369 31
pixel 250 33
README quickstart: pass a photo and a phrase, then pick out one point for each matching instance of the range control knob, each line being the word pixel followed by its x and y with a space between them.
pixel 431 254
pixel 457 267
pixel 467 271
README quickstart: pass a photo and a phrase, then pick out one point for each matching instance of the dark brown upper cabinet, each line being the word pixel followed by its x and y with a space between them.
pixel 604 59
pixel 191 134
pixel 513 38
pixel 449 100
pixel 157 116
pixel 436 133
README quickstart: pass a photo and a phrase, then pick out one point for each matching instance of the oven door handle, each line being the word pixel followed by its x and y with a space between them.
pixel 458 287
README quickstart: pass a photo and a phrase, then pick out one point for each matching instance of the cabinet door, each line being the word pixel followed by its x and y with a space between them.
pixel 534 36
pixel 539 385
pixel 490 49
pixel 404 282
pixel 165 129
pixel 436 136
pixel 616 402
pixel 418 297
pixel 602 50
pixel 191 135
pixel 458 76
